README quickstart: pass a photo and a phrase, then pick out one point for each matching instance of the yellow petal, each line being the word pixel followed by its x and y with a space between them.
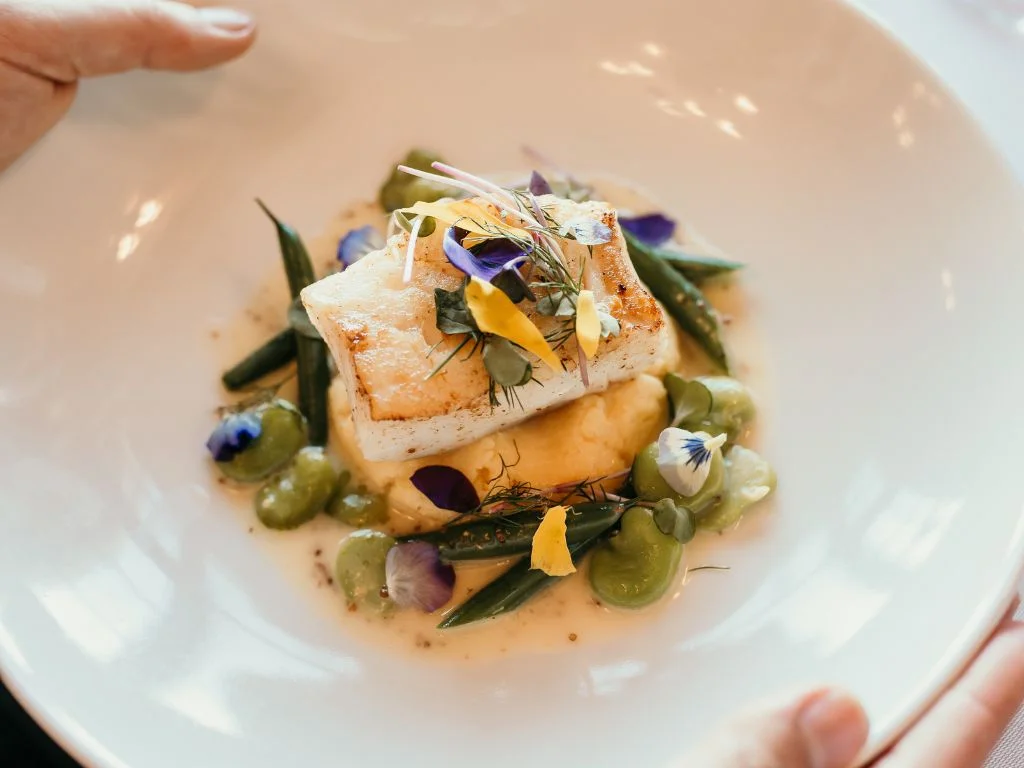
pixel 495 313
pixel 588 324
pixel 469 215
pixel 550 550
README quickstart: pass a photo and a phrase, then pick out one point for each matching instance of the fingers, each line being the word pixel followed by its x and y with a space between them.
pixel 964 726
pixel 29 107
pixel 823 729
pixel 63 40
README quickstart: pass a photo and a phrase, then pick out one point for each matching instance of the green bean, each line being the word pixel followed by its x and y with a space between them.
pixel 314 373
pixel 298 492
pixel 314 379
pixel 485 539
pixel 748 480
pixel 637 565
pixel 510 590
pixel 273 354
pixel 359 508
pixel 696 267
pixel 282 434
pixel 651 486
pixel 681 298
pixel 297 266
pixel 360 569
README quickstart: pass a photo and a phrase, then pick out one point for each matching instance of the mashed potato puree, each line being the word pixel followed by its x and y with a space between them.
pixel 594 436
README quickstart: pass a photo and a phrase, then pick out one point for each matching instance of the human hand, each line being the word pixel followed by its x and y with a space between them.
pixel 827 728
pixel 47 45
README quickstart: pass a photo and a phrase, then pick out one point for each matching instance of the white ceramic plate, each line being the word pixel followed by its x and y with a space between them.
pixel 139 622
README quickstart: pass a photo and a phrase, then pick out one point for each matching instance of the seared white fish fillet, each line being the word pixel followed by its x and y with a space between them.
pixel 381 331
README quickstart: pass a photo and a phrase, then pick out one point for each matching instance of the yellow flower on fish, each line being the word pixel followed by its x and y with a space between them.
pixel 550 551
pixel 495 313
pixel 470 216
pixel 588 324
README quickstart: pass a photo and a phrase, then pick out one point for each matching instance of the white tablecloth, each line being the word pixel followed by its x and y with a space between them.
pixel 977 47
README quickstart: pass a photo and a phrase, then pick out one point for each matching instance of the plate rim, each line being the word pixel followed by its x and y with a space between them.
pixel 64 731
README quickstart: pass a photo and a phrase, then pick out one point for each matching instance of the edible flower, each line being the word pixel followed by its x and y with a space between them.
pixel 416 577
pixel 609 325
pixel 469 215
pixel 234 434
pixel 491 258
pixel 586 230
pixel 588 323
pixel 495 313
pixel 550 552
pixel 652 229
pixel 357 243
pixel 684 458
pixel 446 487
pixel 539 185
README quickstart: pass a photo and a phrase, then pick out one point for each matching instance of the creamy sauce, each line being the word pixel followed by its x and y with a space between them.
pixel 565 615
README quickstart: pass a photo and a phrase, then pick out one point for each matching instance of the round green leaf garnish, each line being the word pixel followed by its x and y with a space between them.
pixel 674 520
pixel 505 364
pixel 691 400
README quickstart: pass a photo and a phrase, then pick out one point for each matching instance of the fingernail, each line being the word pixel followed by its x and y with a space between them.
pixel 835 728
pixel 227 19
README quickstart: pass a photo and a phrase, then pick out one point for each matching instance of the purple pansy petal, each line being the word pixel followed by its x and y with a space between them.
pixel 539 185
pixel 586 230
pixel 491 258
pixel 446 487
pixel 417 578
pixel 653 228
pixel 357 243
pixel 234 434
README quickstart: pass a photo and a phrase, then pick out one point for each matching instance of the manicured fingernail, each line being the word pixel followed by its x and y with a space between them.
pixel 227 19
pixel 835 728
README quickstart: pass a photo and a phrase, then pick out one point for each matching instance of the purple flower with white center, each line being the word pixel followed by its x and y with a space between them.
pixel 652 229
pixel 357 243
pixel 539 185
pixel 446 487
pixel 488 259
pixel 416 577
pixel 586 230
pixel 234 434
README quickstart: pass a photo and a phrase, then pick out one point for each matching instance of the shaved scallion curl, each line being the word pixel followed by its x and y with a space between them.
pixel 410 252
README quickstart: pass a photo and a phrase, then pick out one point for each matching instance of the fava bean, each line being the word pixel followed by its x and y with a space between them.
pixel 298 492
pixel 635 567
pixel 282 434
pixel 360 569
pixel 359 508
pixel 748 480
pixel 651 486
pixel 732 406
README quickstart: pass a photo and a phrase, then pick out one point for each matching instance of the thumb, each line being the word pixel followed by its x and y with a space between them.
pixel 63 40
pixel 822 729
